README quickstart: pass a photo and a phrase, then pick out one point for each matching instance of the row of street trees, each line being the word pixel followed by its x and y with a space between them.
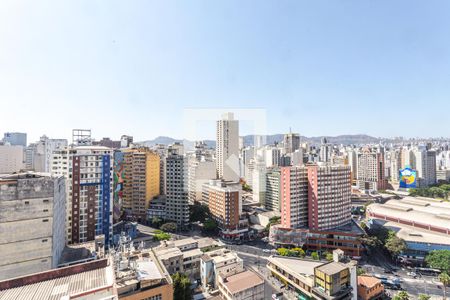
pixel 441 191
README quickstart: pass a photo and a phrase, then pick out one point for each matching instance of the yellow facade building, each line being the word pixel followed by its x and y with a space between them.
pixel 141 180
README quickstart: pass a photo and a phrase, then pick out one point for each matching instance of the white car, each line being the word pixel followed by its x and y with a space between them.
pixel 266 250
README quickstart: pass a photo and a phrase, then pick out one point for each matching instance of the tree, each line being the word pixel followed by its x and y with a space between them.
pixel 181 287
pixel 424 297
pixel 370 241
pixel 394 244
pixel 169 227
pixel 360 271
pixel 198 212
pixel 159 235
pixel 439 259
pixel 283 251
pixel 299 252
pixel 401 296
pixel 328 256
pixel 156 221
pixel 315 255
pixel 272 221
pixel 210 226
pixel 445 279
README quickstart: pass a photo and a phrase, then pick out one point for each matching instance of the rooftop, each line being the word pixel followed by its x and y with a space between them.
pixel 193 252
pixel 207 242
pixel 368 281
pixel 24 175
pixel 147 270
pixel 167 253
pixel 296 266
pixel 332 268
pixel 421 210
pixel 184 242
pixel 58 283
pixel 242 281
pixel 415 234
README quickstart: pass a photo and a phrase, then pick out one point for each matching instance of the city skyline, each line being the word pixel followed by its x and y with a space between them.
pixel 320 68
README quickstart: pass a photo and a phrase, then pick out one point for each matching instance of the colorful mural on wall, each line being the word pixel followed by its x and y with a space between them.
pixel 408 178
pixel 119 177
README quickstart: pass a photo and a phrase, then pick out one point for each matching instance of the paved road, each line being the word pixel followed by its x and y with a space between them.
pixel 253 255
pixel 423 285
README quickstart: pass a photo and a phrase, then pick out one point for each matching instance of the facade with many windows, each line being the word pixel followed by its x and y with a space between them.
pixel 88 174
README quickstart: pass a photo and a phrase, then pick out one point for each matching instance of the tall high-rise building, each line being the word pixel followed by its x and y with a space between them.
pixel 259 181
pixel 15 138
pixel 395 164
pixel 291 142
pixel 272 199
pixel 247 156
pixel 294 197
pixel 32 223
pixel 11 159
pixel 352 161
pixel 88 173
pixel 162 151
pixel 201 170
pixel 272 156
pixel 140 172
pixel 329 196
pixel 39 154
pixel 177 202
pixel 326 150
pixel 227 148
pixel 371 169
pixel 425 164
pixel 126 141
pixel 314 196
pixel 225 205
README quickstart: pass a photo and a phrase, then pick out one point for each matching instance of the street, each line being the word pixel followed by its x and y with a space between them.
pixel 254 257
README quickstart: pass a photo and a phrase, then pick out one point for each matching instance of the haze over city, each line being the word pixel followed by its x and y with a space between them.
pixel 320 67
pixel 224 150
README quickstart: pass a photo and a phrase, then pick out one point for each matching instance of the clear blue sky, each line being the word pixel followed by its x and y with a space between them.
pixel 131 67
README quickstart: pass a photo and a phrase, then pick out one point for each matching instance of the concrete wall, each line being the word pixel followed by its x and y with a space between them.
pixel 25 267
pixel 32 224
pixel 11 159
pixel 26 250
pixel 59 220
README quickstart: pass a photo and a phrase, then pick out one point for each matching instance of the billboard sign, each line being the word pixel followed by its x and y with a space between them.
pixel 408 178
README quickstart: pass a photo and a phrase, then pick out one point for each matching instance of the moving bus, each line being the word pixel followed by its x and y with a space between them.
pixel 427 271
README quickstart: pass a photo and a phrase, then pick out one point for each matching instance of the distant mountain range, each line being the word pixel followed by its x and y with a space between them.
pixel 275 138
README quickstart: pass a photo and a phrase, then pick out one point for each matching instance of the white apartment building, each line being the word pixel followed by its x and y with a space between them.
pixel 39 154
pixel 371 170
pixel 200 172
pixel 259 181
pixel 272 156
pixel 177 203
pixel 88 174
pixel 217 262
pixel 425 164
pixel 11 159
pixel 227 148
pixel 32 223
